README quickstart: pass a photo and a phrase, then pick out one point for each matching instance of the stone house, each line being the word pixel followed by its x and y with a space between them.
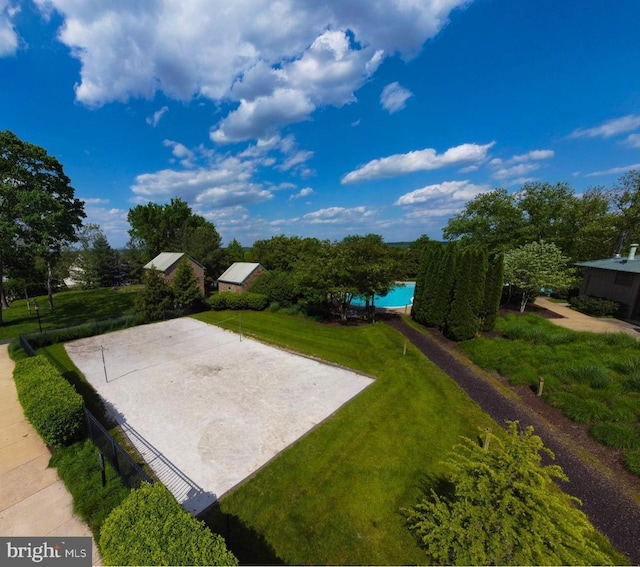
pixel 168 262
pixel 238 276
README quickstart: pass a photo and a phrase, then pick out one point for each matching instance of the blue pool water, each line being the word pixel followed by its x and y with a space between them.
pixel 398 296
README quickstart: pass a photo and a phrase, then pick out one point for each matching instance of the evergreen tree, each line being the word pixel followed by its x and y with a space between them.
pixel 155 300
pixel 463 322
pixel 423 293
pixel 186 293
pixel 505 509
pixel 493 285
pixel 439 303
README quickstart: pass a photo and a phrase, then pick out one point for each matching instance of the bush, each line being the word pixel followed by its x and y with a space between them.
pixel 631 461
pixel 280 287
pixel 151 528
pixel 50 403
pixel 595 306
pixel 597 377
pixel 239 301
pixel 617 435
pixel 579 409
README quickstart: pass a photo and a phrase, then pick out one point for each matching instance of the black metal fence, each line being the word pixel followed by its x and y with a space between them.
pixel 128 470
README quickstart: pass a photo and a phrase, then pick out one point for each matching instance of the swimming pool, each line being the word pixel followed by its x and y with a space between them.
pixel 398 296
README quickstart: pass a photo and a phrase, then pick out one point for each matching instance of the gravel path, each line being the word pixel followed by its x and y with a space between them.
pixel 609 507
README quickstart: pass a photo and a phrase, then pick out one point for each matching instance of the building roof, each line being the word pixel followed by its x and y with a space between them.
pixel 165 260
pixel 614 264
pixel 238 272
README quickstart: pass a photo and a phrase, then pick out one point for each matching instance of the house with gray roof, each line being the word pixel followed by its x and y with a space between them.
pixel 617 279
pixel 168 262
pixel 238 276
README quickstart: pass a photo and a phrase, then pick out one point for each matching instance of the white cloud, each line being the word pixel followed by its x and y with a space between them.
pixel 112 221
pixel 95 201
pixel 614 170
pixel 633 140
pixel 517 167
pixel 419 160
pixel 609 128
pixel 8 37
pixel 515 170
pixel 338 215
pixel 157 115
pixel 394 97
pixel 447 191
pixel 534 155
pixel 277 61
pixel 302 193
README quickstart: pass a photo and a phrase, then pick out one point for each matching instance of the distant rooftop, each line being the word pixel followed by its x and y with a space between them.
pixel 614 264
pixel 165 260
pixel 238 272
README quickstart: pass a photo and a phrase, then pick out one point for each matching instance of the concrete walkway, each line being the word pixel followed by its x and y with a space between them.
pixel 577 321
pixel 33 500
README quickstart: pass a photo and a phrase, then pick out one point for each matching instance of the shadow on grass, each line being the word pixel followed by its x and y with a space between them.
pixel 249 546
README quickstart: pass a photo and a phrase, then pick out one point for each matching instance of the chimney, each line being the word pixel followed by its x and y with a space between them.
pixel 632 252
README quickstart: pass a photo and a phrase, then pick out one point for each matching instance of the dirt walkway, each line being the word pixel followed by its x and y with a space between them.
pixel 611 506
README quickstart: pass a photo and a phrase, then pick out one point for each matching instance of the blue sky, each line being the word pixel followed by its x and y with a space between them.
pixel 321 119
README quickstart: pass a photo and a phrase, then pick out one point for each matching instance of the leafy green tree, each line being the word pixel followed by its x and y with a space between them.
pixel 490 218
pixel 38 210
pixel 282 252
pixel 424 280
pixel 186 293
pixel 439 302
pixel 625 199
pixel 505 509
pixel 278 286
pixel 155 300
pixel 534 266
pixel 413 255
pixel 171 227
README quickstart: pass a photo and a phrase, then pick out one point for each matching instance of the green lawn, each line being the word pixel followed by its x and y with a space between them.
pixel 71 308
pixel 336 496
pixel 594 378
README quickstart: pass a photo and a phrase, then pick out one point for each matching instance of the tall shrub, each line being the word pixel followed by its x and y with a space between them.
pixel 424 281
pixel 442 291
pixel 493 285
pixel 151 528
pixel 155 300
pixel 186 293
pixel 505 509
pixel 462 321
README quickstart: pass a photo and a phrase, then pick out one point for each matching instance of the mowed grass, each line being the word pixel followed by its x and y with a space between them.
pixel 336 496
pixel 70 308
pixel 594 378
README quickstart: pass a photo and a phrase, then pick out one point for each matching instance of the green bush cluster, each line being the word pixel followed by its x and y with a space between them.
pixel 595 306
pixel 50 403
pixel 151 528
pixel 617 435
pixel 280 287
pixel 239 301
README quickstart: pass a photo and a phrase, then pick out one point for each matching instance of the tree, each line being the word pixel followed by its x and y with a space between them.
pixel 186 293
pixel 282 252
pixel 38 210
pixel 534 266
pixel 493 284
pixel 490 218
pixel 463 321
pixel 96 263
pixel 504 509
pixel 155 299
pixel 413 255
pixel 235 252
pixel 172 227
pixel 625 198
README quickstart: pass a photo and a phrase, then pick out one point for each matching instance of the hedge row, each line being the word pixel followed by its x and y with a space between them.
pixel 239 301
pixel 151 528
pixel 50 403
pixel 595 306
